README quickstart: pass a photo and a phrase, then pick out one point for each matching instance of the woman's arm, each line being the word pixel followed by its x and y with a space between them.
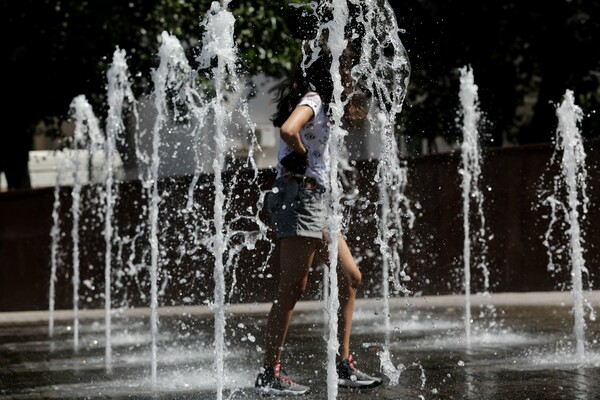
pixel 290 130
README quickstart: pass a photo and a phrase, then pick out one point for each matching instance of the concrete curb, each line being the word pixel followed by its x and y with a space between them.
pixel 525 299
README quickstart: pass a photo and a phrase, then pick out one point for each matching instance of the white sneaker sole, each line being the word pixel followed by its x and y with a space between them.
pixel 358 384
pixel 275 392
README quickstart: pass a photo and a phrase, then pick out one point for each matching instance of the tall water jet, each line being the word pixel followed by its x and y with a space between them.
pixel 218 43
pixel 75 213
pixel 54 239
pixel 470 171
pixel 383 65
pixel 334 28
pixel 384 69
pixel 172 70
pixel 570 199
pixel 86 134
pixel 118 90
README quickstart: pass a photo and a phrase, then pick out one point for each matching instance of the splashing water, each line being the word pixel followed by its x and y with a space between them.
pixel 227 242
pixel 471 171
pixel 87 130
pixel 218 57
pixel 173 68
pixel 75 211
pixel 378 20
pixel 175 93
pixel 337 43
pixel 118 90
pixel 175 76
pixel 218 42
pixel 54 254
pixel 87 126
pixel 570 152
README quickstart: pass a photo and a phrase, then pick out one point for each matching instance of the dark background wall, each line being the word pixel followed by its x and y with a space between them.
pixel 512 179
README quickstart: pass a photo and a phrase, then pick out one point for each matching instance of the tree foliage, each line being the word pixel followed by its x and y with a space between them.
pixel 63 48
pixel 524 56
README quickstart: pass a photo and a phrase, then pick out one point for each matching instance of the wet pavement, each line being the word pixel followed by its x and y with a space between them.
pixel 522 347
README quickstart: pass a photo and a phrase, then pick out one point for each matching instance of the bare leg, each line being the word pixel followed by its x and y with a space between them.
pixel 349 277
pixel 297 254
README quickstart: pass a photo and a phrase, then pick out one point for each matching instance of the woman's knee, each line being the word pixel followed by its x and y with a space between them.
pixel 355 278
pixel 296 293
pixel 288 296
pixel 352 279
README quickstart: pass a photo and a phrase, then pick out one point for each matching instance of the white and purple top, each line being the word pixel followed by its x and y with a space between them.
pixel 315 137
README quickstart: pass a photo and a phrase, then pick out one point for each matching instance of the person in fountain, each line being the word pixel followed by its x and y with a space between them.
pixel 298 216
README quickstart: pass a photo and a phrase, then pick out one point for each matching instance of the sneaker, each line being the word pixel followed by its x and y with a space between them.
pixel 350 376
pixel 271 382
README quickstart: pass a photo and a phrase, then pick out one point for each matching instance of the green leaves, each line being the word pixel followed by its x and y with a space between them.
pixel 57 50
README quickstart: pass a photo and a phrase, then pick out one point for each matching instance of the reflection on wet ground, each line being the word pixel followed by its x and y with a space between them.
pixel 525 352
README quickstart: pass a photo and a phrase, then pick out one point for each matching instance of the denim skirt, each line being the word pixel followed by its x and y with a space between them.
pixel 297 207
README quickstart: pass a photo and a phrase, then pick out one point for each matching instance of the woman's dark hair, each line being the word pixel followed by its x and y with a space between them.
pixel 315 77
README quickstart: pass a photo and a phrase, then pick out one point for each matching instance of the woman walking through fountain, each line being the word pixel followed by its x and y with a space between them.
pixel 298 216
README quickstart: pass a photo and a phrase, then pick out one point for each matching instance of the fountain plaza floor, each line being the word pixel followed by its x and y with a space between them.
pixel 525 352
